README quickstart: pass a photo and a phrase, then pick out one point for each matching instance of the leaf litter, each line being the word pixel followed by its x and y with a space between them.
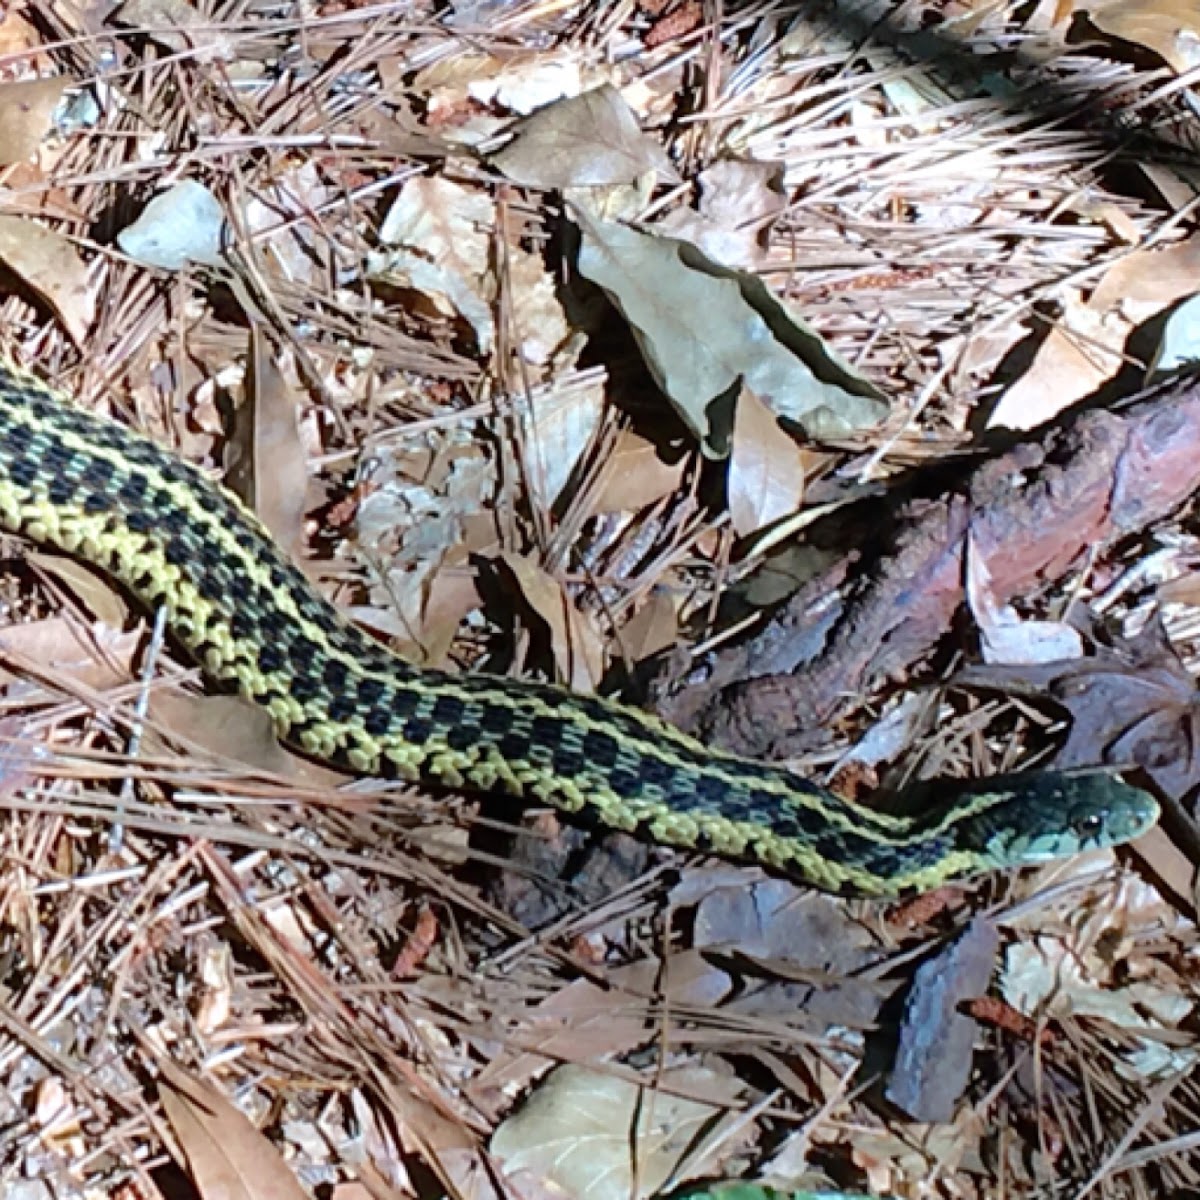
pixel 827 247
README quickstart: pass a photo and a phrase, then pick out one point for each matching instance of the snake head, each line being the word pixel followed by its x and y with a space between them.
pixel 1037 818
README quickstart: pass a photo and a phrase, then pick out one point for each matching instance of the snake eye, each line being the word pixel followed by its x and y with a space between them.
pixel 1090 825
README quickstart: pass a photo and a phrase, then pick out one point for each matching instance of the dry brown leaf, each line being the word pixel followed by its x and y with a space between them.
pixel 227 1158
pixel 809 941
pixel 1105 212
pixel 463 91
pixel 577 647
pixel 1142 284
pixel 26 111
pixel 446 1145
pixel 98 659
pixel 1173 869
pixel 1073 361
pixel 451 594
pixel 232 729
pixel 1084 350
pixel 20 762
pixel 597 1136
pixel 51 266
pixel 558 425
pixel 704 329
pixel 580 1022
pixel 1134 704
pixel 265 461
pixel 886 1157
pixel 399 132
pixel 101 598
pixel 766 468
pixel 57 1119
pixel 357 1191
pixel 278 217
pixel 214 1005
pixel 18 38
pixel 1168 27
pixel 652 629
pixel 635 476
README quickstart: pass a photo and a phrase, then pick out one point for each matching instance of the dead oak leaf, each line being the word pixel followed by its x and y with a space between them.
pixel 50 266
pixel 228 1158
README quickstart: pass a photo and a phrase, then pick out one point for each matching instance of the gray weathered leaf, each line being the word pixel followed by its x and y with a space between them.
pixel 590 140
pixel 599 1137
pixel 705 330
pixel 182 225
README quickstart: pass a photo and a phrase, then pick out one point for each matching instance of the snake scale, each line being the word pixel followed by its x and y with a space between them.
pixel 255 625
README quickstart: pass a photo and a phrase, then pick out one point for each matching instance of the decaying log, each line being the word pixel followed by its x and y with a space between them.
pixel 1033 513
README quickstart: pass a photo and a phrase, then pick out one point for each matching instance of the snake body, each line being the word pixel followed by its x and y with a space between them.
pixel 253 622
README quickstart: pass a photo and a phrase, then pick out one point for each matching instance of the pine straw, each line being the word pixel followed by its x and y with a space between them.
pixel 321 951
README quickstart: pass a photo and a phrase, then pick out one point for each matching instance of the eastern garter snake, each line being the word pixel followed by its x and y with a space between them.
pixel 108 496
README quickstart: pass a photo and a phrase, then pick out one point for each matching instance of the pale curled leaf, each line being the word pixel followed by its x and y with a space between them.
pixel 738 202
pixel 766 468
pixel 652 629
pixel 49 264
pixel 228 1158
pixel 1179 346
pixel 1007 637
pixel 635 476
pixel 703 330
pixel 599 1137
pixel 589 140
pixel 439 237
pixel 1051 976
